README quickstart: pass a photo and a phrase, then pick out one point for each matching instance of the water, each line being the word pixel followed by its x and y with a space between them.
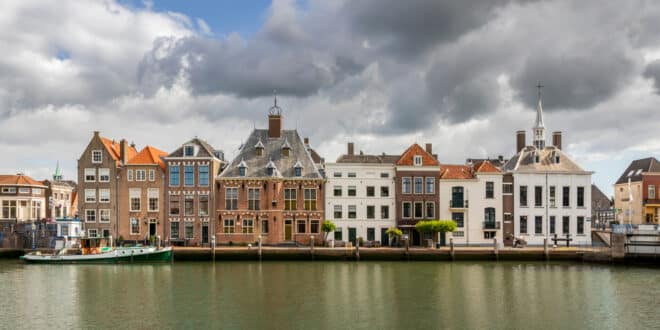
pixel 330 295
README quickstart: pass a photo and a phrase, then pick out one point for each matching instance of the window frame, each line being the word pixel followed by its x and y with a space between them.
pixel 100 158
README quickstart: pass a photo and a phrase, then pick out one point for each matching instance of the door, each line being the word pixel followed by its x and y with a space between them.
pixel 352 235
pixel 384 238
pixel 152 228
pixel 205 234
pixel 416 240
pixel 288 224
pixel 443 239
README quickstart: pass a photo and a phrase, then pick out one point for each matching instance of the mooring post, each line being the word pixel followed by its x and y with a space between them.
pixel 213 247
pixel 311 246
pixel 357 250
pixel 259 248
pixel 451 247
pixel 496 248
pixel 546 251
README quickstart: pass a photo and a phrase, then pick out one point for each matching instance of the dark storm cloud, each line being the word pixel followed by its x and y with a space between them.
pixel 652 71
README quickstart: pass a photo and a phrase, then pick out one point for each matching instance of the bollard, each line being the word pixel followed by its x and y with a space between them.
pixel 213 247
pixel 451 247
pixel 311 246
pixel 545 248
pixel 259 248
pixel 357 251
pixel 496 248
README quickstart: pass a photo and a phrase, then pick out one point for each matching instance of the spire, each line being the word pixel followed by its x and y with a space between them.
pixel 57 176
pixel 539 127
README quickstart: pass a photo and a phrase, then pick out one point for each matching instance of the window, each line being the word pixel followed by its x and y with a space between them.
pixel 175 206
pixel 338 235
pixel 418 185
pixel 336 174
pixel 419 210
pixel 90 215
pixel 104 195
pixel 580 225
pixel 314 227
pixel 190 230
pixel 490 189
pixel 92 233
pixel 430 210
pixel 565 224
pixel 231 198
pixel 651 192
pixel 228 226
pixel 129 175
pixel 371 191
pixel 135 199
pixel 489 234
pixel 152 175
pixel 523 225
pixel 97 156
pixel 457 197
pixel 310 199
pixel 406 186
pixel 152 199
pixel 104 215
pixel 302 227
pixel 384 212
pixel 174 176
pixel 189 205
pixel 417 160
pixel 189 151
pixel 90 174
pixel 104 175
pixel 489 215
pixel 580 196
pixel 24 190
pixel 384 175
pixel 407 210
pixel 371 234
pixel 8 190
pixel 352 212
pixel 538 225
pixel 351 175
pixel 264 226
pixel 188 175
pixel 290 199
pixel 336 191
pixel 135 226
pixel 371 212
pixel 248 226
pixel 203 175
pixel 9 209
pixel 140 175
pixel 90 195
pixel 352 191
pixel 507 188
pixel 523 196
pixel 430 185
pixel 253 199
pixel 552 224
pixel 384 191
pixel 538 196
pixel 458 217
pixel 174 230
pixel 552 197
pixel 337 212
pixel 458 234
pixel 566 196
pixel 297 171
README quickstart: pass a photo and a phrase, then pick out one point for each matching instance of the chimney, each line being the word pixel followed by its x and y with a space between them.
pixel 429 148
pixel 96 133
pixel 123 145
pixel 351 148
pixel 556 139
pixel 520 141
pixel 274 125
pixel 500 158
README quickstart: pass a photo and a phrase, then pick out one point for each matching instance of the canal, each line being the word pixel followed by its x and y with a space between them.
pixel 330 295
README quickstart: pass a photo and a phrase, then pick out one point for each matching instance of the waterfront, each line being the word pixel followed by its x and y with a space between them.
pixel 246 295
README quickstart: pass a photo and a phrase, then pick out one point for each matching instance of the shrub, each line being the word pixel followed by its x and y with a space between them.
pixel 326 227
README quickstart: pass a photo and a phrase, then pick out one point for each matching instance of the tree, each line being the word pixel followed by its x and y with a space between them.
pixel 394 234
pixel 327 226
pixel 435 226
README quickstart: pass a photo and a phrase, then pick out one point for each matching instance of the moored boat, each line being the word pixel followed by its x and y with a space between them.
pixel 96 251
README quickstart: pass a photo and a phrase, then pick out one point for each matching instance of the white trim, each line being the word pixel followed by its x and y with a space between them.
pixel 100 154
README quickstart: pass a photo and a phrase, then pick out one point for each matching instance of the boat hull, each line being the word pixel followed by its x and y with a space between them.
pixel 124 255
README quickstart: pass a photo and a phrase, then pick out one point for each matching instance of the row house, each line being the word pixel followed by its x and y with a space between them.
pixel 22 199
pixel 190 193
pixel 636 192
pixel 471 195
pixel 272 189
pixel 360 196
pixel 61 196
pixel 544 191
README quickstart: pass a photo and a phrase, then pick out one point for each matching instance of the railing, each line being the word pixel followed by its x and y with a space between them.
pixel 491 225
pixel 458 204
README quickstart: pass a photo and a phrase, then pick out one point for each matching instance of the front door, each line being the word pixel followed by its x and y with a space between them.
pixel 443 239
pixel 205 234
pixel 152 228
pixel 288 229
pixel 352 235
pixel 384 238
pixel 416 239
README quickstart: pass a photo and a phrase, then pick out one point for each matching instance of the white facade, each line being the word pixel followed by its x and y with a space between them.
pixel 373 201
pixel 545 209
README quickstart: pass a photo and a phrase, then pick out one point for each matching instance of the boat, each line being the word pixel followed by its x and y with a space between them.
pixel 97 250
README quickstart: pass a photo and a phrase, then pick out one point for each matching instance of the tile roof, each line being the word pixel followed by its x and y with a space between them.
pixel 114 149
pixel 485 167
pixel 637 167
pixel 148 156
pixel 498 162
pixel 256 165
pixel 455 172
pixel 524 161
pixel 599 201
pixel 406 158
pixel 205 150
pixel 369 159
pixel 19 180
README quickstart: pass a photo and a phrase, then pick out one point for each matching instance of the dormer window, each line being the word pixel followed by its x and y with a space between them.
pixel 297 169
pixel 557 158
pixel 269 171
pixel 259 148
pixel 270 168
pixel 537 158
pixel 242 168
pixel 286 148
pixel 417 160
pixel 189 151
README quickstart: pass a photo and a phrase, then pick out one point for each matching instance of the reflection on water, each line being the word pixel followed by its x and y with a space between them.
pixel 246 295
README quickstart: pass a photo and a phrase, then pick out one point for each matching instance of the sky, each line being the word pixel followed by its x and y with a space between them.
pixel 380 73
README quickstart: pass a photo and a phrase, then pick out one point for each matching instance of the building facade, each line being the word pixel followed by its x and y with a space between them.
pixel 636 192
pixel 360 196
pixel 272 188
pixel 190 194
pixel 22 199
pixel 61 199
pixel 602 212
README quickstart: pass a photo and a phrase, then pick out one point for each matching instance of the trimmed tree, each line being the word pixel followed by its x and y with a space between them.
pixel 434 227
pixel 326 227
pixel 394 234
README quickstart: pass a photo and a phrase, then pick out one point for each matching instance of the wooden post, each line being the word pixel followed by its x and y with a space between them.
pixel 259 248
pixel 357 250
pixel 451 247
pixel 496 248
pixel 546 251
pixel 311 246
pixel 213 247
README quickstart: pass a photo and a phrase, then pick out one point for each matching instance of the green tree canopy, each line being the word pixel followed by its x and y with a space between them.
pixel 326 227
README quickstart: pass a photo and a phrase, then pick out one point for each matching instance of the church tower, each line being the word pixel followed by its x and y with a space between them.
pixel 539 127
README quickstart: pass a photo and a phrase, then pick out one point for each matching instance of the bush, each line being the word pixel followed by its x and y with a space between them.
pixel 393 231
pixel 326 227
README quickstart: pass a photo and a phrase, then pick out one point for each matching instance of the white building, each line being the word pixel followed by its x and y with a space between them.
pixel 471 195
pixel 551 193
pixel 360 196
pixel 22 198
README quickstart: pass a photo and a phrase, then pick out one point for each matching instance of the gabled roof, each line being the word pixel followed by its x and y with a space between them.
pixel 524 161
pixel 369 159
pixel 637 167
pixel 114 149
pixel 148 156
pixel 19 180
pixel 407 158
pixel 485 167
pixel 455 172
pixel 205 149
pixel 599 200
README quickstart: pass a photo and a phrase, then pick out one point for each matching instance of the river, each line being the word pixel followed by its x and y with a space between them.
pixel 330 295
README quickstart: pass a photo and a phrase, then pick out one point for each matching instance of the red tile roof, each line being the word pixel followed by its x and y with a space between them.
pixel 19 180
pixel 485 167
pixel 114 149
pixel 455 172
pixel 149 156
pixel 407 158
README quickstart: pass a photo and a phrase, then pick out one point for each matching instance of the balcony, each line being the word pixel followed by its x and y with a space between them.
pixel 491 225
pixel 458 204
